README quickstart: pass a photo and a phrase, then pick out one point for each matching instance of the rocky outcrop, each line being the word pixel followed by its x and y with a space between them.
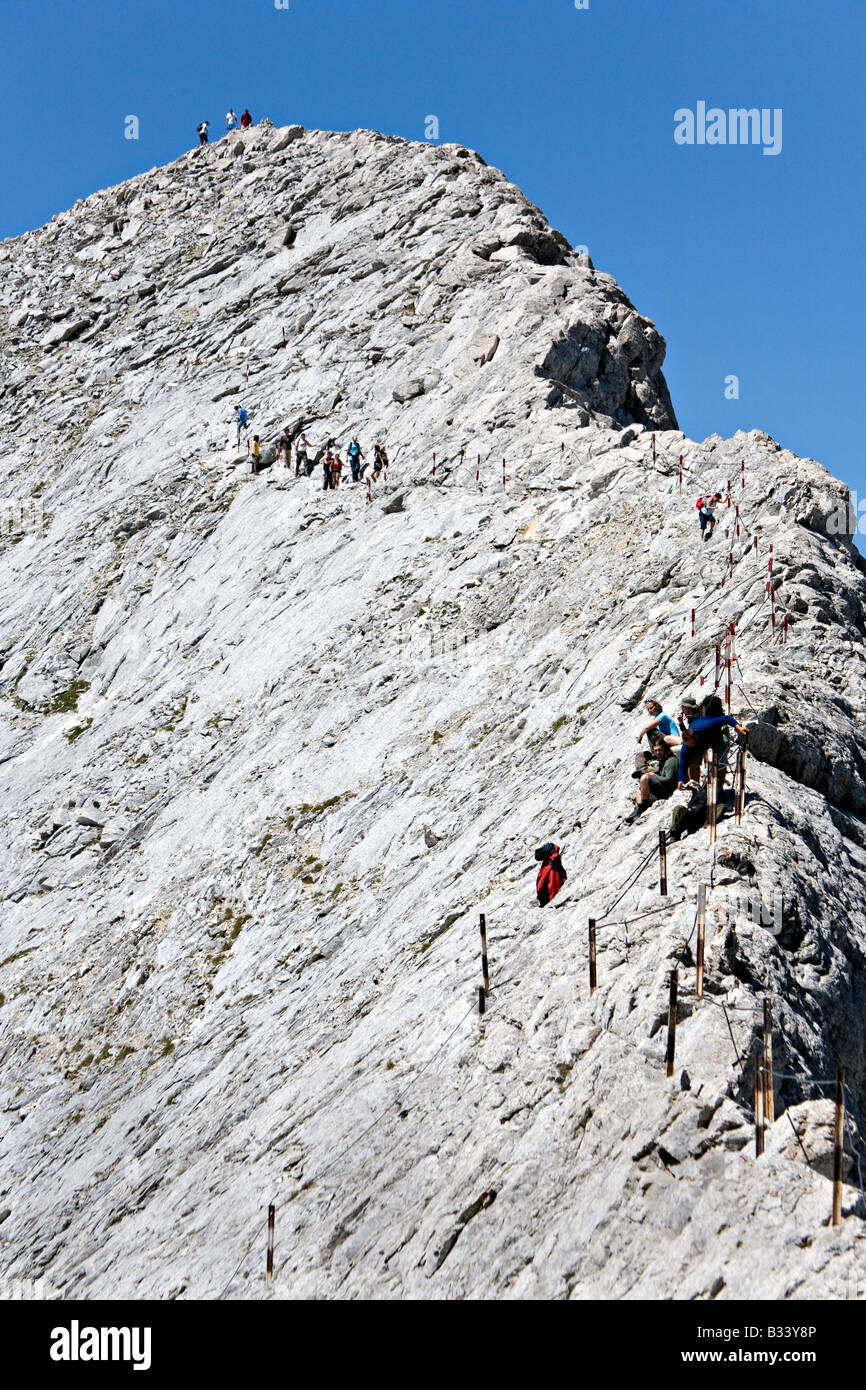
pixel 266 752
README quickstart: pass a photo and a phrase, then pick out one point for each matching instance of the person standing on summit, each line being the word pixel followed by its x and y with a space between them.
pixel 246 120
pixel 202 132
pixel 231 119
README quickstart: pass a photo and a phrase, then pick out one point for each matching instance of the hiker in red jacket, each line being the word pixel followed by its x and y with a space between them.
pixel 246 120
pixel 551 875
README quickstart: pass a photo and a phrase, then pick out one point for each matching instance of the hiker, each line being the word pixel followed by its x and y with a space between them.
pixel 665 723
pixel 655 785
pixel 283 447
pixel 242 422
pixel 551 875
pixel 703 733
pixel 202 132
pixel 706 514
pixel 231 119
pixel 689 710
pixel 326 468
pixel 380 461
pixel 336 469
pixel 302 458
pixel 354 454
pixel 246 120
pixel 256 452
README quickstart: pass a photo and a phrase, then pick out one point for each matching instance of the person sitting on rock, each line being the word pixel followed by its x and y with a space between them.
pixel 702 733
pixel 355 453
pixel 655 786
pixel 246 120
pixel 665 723
pixel 202 132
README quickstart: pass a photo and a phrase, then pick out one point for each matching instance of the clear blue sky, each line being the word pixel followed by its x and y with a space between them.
pixel 750 264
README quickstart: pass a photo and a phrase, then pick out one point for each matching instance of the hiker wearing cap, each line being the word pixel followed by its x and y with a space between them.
pixel 702 733
pixel 659 781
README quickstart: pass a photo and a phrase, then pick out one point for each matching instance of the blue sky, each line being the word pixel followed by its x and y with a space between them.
pixel 751 265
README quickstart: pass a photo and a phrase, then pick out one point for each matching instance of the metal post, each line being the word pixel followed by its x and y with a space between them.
pixel 681 472
pixel 743 472
pixel 434 465
pixel 484 970
pixel 718 663
pixel 702 913
pixel 837 1147
pixel 654 448
pixel 769 1096
pixel 478 469
pixel 503 472
pixel 711 795
pixel 481 999
pixel 759 1105
pixel 672 1025
pixel 693 622
pixel 269 1271
pixel 663 864
pixel 593 976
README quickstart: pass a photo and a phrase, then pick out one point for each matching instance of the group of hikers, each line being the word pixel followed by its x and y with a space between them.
pixel 677 748
pixel 292 443
pixel 232 123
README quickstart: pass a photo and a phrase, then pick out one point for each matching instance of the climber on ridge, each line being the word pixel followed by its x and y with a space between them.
pixel 202 132
pixel 703 733
pixel 706 506
pixel 231 119
pixel 242 422
pixel 380 462
pixel 551 875
pixel 658 720
pixel 355 454
pixel 655 785
pixel 246 120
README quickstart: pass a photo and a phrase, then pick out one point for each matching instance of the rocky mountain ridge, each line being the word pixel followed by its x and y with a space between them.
pixel 267 752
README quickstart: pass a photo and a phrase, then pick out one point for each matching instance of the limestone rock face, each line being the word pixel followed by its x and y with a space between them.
pixel 266 752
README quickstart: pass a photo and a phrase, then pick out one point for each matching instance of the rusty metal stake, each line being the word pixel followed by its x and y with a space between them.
pixel 759 1106
pixel 593 975
pixel 672 1025
pixel 702 913
pixel 484 971
pixel 837 1147
pixel 663 864
pixel 711 795
pixel 269 1271
pixel 769 1093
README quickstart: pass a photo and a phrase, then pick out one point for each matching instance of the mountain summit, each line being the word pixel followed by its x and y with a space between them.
pixel 267 752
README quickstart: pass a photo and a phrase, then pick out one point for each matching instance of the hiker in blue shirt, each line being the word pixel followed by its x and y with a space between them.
pixel 241 420
pixel 665 723
pixel 701 734
pixel 355 453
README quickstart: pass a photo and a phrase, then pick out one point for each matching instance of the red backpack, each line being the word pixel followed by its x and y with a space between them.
pixel 699 503
pixel 551 875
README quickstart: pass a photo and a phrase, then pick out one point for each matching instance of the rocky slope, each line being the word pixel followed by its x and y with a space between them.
pixel 266 753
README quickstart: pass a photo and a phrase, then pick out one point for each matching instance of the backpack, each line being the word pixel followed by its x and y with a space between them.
pixel 685 820
pixel 551 875
pixel 699 503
